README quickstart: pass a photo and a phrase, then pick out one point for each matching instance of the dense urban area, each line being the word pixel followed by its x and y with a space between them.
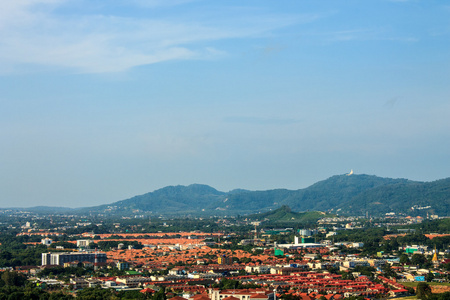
pixel 59 256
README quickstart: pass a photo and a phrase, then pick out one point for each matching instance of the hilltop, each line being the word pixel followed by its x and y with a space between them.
pixel 343 194
pixel 286 215
pixel 340 194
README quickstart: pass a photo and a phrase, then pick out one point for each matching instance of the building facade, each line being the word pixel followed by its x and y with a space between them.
pixel 65 257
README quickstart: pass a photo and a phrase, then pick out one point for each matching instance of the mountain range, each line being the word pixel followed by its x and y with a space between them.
pixel 340 194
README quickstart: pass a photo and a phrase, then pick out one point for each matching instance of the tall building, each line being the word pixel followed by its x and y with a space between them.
pixel 64 257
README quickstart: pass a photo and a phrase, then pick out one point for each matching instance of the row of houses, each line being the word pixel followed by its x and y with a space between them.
pixel 296 283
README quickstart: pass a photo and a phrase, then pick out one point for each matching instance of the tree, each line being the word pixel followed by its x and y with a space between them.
pixel 347 276
pixel 160 295
pixel 410 290
pixel 131 295
pixel 288 297
pixel 404 259
pixel 388 271
pixel 60 296
pixel 13 279
pixel 418 259
pixel 227 284
pixel 423 290
pixel 429 277
pixel 16 296
pixel 96 293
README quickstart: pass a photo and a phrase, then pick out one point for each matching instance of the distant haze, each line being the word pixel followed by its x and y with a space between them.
pixel 104 100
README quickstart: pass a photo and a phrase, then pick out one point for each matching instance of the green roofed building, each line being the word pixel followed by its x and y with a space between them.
pixel 278 252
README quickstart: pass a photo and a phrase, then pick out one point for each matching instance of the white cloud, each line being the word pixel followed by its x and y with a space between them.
pixel 33 34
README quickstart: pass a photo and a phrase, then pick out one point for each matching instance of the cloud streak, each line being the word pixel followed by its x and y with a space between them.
pixel 34 35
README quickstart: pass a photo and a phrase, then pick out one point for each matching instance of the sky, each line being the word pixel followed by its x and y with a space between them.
pixel 104 100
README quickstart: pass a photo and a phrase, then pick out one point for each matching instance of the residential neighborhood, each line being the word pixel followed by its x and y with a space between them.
pixel 273 263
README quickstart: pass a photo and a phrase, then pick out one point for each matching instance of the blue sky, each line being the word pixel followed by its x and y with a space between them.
pixel 104 100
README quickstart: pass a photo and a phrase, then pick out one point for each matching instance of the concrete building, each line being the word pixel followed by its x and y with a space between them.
pixel 83 243
pixel 258 269
pixel 132 281
pixel 64 257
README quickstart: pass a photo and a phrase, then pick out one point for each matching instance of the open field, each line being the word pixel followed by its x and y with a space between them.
pixel 436 287
pixel 414 284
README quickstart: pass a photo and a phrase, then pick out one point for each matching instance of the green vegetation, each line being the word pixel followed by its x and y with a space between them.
pixel 401 197
pixel 373 240
pixel 14 253
pixel 108 245
pixel 229 284
pixel 285 215
pixel 348 195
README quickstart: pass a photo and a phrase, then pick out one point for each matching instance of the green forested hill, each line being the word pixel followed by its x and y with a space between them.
pixel 330 193
pixel 409 197
pixel 325 195
pixel 286 215
pixel 172 199
pixel 343 194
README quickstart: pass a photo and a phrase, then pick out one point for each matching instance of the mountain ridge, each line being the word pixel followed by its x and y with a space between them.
pixel 344 194
pixel 356 194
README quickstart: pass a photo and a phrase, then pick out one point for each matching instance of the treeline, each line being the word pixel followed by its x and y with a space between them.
pixel 374 242
pixel 13 252
pixel 14 286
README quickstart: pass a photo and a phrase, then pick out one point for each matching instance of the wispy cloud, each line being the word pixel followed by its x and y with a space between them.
pixel 33 34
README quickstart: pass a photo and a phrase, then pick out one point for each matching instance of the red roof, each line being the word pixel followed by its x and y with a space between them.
pixel 230 298
pixel 258 296
pixel 400 291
